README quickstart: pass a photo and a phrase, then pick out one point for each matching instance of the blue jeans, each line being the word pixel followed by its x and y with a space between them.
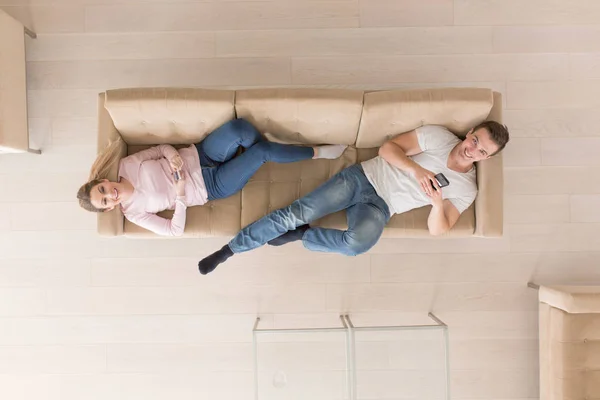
pixel 223 173
pixel 349 190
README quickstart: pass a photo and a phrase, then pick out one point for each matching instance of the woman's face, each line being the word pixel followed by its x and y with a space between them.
pixel 106 195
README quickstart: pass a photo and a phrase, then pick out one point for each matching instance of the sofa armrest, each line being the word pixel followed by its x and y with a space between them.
pixel 572 299
pixel 489 204
pixel 109 223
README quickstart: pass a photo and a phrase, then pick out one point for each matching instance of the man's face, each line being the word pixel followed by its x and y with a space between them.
pixel 478 146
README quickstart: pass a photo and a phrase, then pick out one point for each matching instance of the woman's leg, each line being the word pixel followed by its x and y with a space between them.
pixel 223 143
pixel 232 176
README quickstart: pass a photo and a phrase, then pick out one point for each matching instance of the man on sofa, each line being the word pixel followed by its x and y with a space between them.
pixel 400 179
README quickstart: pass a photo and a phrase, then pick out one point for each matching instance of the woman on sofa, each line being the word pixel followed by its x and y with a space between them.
pixel 162 177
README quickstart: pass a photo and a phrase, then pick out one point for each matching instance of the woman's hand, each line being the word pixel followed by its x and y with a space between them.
pixel 426 178
pixel 176 163
pixel 180 185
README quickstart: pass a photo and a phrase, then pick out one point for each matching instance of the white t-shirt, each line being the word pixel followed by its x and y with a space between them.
pixel 403 193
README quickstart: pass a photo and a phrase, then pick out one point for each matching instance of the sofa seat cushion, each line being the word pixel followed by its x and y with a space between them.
pixel 218 218
pixel 275 186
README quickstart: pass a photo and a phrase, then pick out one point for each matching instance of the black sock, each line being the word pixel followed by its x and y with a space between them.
pixel 289 236
pixel 208 264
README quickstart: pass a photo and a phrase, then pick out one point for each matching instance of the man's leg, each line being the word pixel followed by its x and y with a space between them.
pixel 222 144
pixel 338 193
pixel 365 226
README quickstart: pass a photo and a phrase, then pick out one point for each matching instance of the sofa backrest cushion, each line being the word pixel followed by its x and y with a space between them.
pixel 303 116
pixel 169 115
pixel 388 113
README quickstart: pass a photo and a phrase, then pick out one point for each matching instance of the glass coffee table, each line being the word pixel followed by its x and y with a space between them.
pixel 349 362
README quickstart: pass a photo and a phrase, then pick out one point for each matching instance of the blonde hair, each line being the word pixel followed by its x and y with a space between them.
pixel 99 171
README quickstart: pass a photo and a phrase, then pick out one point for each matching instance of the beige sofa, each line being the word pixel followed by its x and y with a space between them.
pixel 362 120
pixel 569 342
pixel 14 131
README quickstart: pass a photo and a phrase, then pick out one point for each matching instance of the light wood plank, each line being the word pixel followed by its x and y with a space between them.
pixel 424 297
pixel 494 354
pixel 74 131
pixel 380 296
pixel 577 268
pixel 45 273
pixel 555 237
pixel 584 208
pixel 380 69
pixel 546 39
pixel 63 103
pixel 4 219
pixel 367 318
pixel 490 384
pixel 581 151
pixel 534 209
pixel 553 94
pixel 405 13
pixel 41 188
pixel 302 42
pixel 484 297
pixel 406 384
pixel 456 268
pixel 130 46
pixel 132 329
pixel 447 245
pixel 143 17
pixel 585 66
pixel 50 217
pixel 533 12
pixel 523 152
pixel 40 133
pixel 22 302
pixel 496 325
pixel 217 385
pixel 207 299
pixel 49 18
pixel 553 123
pixel 182 358
pixel 276 269
pixel 30 360
pixel 552 180
pixel 139 73
pixel 57 159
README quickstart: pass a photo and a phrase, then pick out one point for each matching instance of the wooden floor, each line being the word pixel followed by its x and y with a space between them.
pixel 88 318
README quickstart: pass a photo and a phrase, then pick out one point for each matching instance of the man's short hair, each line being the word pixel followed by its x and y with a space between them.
pixel 498 133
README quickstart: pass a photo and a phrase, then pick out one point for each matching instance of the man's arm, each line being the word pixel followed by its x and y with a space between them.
pixel 443 215
pixel 397 151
